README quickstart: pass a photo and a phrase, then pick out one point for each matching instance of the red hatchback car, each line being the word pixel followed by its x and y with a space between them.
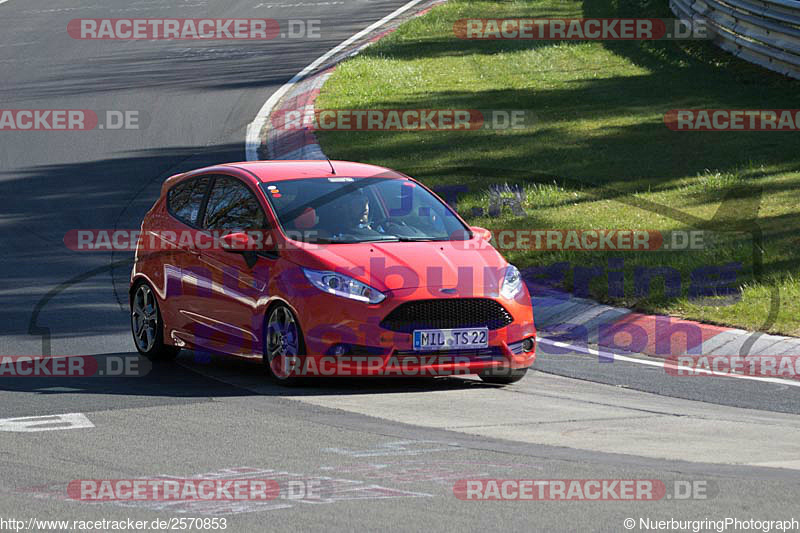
pixel 325 268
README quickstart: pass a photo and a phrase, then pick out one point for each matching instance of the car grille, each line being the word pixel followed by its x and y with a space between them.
pixel 447 313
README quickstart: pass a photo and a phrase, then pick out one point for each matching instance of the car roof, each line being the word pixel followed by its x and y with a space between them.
pixel 279 170
pixel 272 171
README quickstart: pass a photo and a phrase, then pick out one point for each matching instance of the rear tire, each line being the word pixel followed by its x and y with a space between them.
pixel 147 326
pixel 283 346
pixel 503 376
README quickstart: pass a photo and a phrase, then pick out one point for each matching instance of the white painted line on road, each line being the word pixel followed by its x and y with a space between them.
pixel 28 424
pixel 253 138
pixel 57 389
pixel 403 447
pixel 661 364
pixel 3 1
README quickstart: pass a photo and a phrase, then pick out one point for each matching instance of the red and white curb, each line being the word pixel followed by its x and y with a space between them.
pixel 570 321
pixel 267 139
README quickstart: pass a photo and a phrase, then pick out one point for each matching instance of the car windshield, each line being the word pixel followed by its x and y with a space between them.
pixel 346 210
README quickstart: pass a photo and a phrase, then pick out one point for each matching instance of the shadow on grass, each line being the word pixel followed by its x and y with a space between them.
pixel 697 58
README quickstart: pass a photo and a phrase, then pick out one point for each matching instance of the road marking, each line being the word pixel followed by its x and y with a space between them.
pixel 58 389
pixel 27 43
pixel 326 490
pixel 298 4
pixel 403 447
pixel 794 465
pixel 3 1
pixel 253 138
pixel 28 424
pixel 662 364
pixel 416 471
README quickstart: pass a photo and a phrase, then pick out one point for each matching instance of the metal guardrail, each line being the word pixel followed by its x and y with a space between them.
pixel 764 32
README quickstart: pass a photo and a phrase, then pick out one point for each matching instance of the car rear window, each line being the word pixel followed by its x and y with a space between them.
pixel 184 199
pixel 232 206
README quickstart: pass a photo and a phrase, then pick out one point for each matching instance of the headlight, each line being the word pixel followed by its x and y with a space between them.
pixel 341 285
pixel 512 283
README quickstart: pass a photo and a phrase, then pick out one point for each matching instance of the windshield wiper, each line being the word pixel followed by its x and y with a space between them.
pixel 386 238
pixel 403 238
pixel 325 240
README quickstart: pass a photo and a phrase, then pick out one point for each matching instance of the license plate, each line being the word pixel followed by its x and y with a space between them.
pixel 450 339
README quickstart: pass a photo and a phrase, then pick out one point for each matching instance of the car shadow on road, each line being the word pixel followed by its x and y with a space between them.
pixel 194 376
pixel 251 374
pixel 112 373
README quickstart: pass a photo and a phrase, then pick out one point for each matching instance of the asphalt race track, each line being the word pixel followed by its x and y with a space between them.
pixel 385 454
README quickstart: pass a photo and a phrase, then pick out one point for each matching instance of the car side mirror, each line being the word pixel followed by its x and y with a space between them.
pixel 238 242
pixel 251 245
pixel 483 233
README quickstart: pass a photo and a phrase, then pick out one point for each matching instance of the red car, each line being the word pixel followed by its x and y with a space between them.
pixel 325 268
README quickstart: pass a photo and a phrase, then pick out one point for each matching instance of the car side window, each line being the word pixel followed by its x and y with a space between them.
pixel 184 199
pixel 233 206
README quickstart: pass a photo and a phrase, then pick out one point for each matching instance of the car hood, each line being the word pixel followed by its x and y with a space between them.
pixel 461 267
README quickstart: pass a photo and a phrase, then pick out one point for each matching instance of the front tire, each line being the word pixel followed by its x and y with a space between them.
pixel 283 346
pixel 503 376
pixel 147 326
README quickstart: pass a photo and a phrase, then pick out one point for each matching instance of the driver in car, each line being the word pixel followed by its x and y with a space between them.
pixel 352 218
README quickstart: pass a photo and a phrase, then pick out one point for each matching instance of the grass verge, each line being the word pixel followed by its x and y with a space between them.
pixel 599 154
